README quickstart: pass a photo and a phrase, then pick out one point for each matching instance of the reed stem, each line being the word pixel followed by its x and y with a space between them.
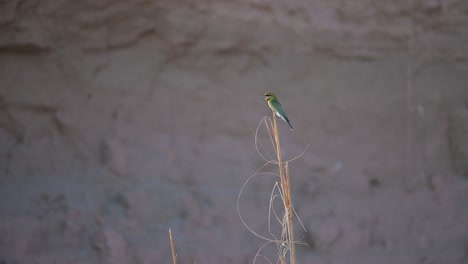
pixel 174 255
pixel 286 190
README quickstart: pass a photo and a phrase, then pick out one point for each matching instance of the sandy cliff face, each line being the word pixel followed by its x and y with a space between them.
pixel 364 27
pixel 121 119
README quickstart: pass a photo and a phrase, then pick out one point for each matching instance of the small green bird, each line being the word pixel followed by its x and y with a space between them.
pixel 276 107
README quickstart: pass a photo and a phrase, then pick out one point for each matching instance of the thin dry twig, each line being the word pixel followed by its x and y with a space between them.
pixel 286 242
pixel 287 233
pixel 174 255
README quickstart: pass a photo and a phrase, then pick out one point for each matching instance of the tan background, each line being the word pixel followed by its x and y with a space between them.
pixel 121 119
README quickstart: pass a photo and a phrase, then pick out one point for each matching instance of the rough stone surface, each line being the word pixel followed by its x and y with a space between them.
pixel 122 119
pixel 458 139
pixel 112 247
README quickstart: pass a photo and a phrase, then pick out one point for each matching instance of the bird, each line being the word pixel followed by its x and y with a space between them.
pixel 276 107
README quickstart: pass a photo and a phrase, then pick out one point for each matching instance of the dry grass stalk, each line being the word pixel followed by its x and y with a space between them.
pixel 287 234
pixel 174 255
pixel 285 242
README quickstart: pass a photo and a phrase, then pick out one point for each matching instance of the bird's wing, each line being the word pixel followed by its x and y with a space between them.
pixel 280 110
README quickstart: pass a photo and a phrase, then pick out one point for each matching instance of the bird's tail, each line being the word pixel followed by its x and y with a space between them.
pixel 285 120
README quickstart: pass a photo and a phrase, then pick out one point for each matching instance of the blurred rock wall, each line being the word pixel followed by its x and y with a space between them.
pixel 363 28
pixel 121 119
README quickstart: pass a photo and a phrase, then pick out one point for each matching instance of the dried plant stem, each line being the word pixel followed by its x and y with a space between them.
pixel 288 227
pixel 281 190
pixel 174 255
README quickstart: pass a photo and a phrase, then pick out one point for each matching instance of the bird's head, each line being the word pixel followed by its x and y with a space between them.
pixel 268 96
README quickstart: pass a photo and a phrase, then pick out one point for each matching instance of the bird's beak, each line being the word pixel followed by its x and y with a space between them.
pixel 262 96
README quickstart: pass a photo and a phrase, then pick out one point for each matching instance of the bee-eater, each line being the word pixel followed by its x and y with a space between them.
pixel 276 107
